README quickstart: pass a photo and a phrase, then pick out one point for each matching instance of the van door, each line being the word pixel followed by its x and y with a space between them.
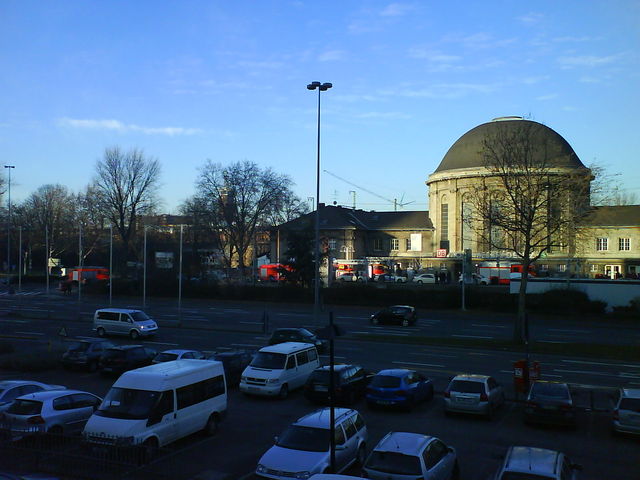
pixel 302 359
pixel 125 324
pixel 290 373
pixel 162 420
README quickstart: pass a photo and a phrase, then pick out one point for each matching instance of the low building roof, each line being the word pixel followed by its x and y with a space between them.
pixel 613 216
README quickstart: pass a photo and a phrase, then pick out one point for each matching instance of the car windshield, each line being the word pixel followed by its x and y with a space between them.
pixel 269 360
pixel 322 376
pixel 549 390
pixel 128 403
pixel 79 347
pixel 467 386
pixel 114 353
pixel 25 407
pixel 165 357
pixel 308 439
pixel 394 462
pixel 385 381
pixel 139 316
pixel 400 310
pixel 630 404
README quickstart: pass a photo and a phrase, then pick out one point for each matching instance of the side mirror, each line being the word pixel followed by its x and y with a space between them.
pixel 341 447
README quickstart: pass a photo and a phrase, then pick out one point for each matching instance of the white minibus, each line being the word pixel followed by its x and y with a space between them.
pixel 278 369
pixel 161 403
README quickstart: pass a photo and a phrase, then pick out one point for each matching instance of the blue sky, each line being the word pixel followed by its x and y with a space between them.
pixel 188 81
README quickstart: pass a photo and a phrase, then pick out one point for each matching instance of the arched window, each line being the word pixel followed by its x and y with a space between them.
pixel 466 227
pixel 444 219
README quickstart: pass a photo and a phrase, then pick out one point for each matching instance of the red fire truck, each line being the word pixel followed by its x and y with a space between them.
pixel 273 272
pixel 87 274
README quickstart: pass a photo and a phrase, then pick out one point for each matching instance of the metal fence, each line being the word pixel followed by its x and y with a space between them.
pixel 70 457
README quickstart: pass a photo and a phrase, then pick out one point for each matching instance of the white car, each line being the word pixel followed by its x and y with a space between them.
pixel 626 415
pixel 424 278
pixel 12 389
pixel 403 456
pixel 476 279
pixel 177 354
pixel 303 448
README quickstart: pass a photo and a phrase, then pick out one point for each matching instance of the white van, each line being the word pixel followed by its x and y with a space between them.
pixel 161 403
pixel 278 369
pixel 123 321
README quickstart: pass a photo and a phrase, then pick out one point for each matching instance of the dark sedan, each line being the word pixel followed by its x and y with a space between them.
pixel 399 387
pixel 281 335
pixel 85 353
pixel 350 384
pixel 550 402
pixel 117 360
pixel 404 315
pixel 234 362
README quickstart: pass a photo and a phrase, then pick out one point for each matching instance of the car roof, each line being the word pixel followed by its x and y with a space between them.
pixel 531 459
pixel 405 442
pixel 394 372
pixel 88 340
pixel 401 306
pixel 338 367
pixel 16 383
pixel 124 347
pixel 49 394
pixel 289 329
pixel 552 383
pixel 286 347
pixel 320 418
pixel 630 392
pixel 178 351
pixel 119 310
pixel 473 377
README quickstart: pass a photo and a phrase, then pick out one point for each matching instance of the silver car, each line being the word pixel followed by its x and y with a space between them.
pixel 537 463
pixel 626 415
pixel 53 411
pixel 12 389
pixel 479 394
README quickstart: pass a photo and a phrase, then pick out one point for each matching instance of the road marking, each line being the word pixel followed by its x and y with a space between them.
pixel 551 375
pixel 163 343
pixel 253 323
pixel 352 318
pixel 5 320
pixel 506 371
pixel 293 314
pixel 479 354
pixel 568 330
pixel 469 336
pixel 335 356
pixel 603 363
pixel 433 354
pixel 245 345
pixel 604 374
pixel 420 364
pixel 363 333
pixel 30 333
pixel 490 326
pixel 551 341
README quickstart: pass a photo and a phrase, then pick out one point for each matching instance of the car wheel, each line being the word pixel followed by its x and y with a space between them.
pixel 284 392
pixel 133 334
pixel 374 321
pixel 362 455
pixel 398 281
pixel 100 332
pixel 93 366
pixel 419 282
pixel 211 428
pixel 405 323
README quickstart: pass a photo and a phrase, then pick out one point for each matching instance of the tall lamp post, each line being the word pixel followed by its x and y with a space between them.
pixel 9 222
pixel 321 87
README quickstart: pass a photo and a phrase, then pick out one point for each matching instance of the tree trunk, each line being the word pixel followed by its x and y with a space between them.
pixel 522 305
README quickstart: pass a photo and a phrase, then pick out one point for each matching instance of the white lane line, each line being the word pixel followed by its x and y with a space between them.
pixel 550 375
pixel 490 326
pixel 506 371
pixel 420 364
pixel 603 374
pixel 335 356
pixel 163 343
pixel 433 354
pixel 568 330
pixel 253 323
pixel 478 354
pixel 5 320
pixel 469 336
pixel 31 333
pixel 245 345
pixel 341 317
pixel 551 341
pixel 603 363
pixel 293 314
pixel 365 333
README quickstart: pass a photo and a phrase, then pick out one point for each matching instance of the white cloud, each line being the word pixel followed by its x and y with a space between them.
pixel 534 80
pixel 332 56
pixel 550 96
pixel 118 126
pixel 530 18
pixel 590 61
pixel 442 90
pixel 396 10
pixel 383 115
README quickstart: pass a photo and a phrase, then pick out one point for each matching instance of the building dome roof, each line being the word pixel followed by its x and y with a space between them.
pixel 466 152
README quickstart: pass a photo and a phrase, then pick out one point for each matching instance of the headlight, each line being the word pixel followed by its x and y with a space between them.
pixel 273 380
pixel 261 468
pixel 243 378
pixel 141 327
pixel 303 475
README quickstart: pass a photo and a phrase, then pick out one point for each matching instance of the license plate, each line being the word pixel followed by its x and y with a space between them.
pixel 546 407
pixel 254 389
pixel 466 401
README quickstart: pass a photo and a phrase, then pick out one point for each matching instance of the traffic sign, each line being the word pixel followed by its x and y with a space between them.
pixel 62 332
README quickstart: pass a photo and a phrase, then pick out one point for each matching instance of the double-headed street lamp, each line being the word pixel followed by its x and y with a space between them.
pixel 9 223
pixel 321 87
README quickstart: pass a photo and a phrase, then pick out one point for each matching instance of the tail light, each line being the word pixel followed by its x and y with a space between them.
pixel 36 420
pixel 401 393
pixel 616 414
pixel 484 397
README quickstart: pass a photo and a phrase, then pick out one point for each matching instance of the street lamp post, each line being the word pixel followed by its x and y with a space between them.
pixel 9 222
pixel 321 87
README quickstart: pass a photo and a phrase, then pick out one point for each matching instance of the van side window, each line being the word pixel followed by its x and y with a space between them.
pixel 349 428
pixel 302 358
pixel 339 436
pixel 359 422
pixel 291 362
pixel 124 317
pixel 108 316
pixel 200 391
pixel 313 355
pixel 165 404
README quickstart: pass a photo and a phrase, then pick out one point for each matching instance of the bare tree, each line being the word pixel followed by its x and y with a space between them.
pixel 529 199
pixel 241 197
pixel 126 184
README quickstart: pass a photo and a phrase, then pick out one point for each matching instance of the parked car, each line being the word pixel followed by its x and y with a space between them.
pixel 350 278
pixel 424 278
pixel 389 278
pixel 549 402
pixel 12 389
pixel 402 456
pixel 303 448
pixel 538 464
pixel 399 314
pixel 350 384
pixel 478 394
pixel 123 321
pixel 234 363
pixel 281 335
pixel 476 279
pixel 53 411
pixel 85 353
pixel 626 415
pixel 399 387
pixel 177 354
pixel 116 360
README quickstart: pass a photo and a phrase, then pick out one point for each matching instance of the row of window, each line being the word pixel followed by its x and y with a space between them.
pixel 200 391
pixel 602 244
